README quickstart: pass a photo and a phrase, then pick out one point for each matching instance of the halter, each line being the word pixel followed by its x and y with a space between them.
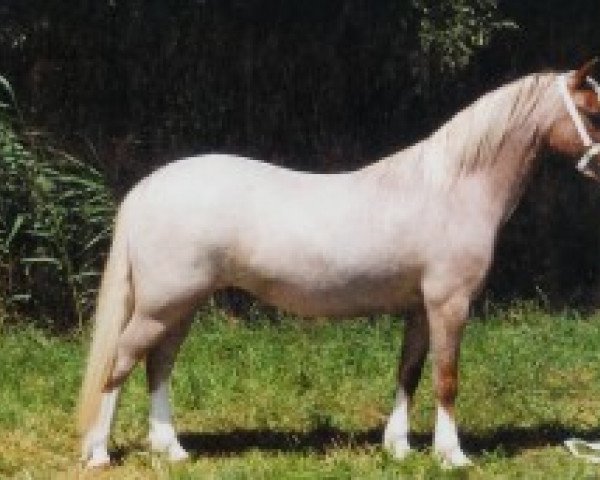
pixel 593 148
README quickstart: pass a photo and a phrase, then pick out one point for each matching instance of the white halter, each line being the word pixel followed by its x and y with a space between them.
pixel 593 148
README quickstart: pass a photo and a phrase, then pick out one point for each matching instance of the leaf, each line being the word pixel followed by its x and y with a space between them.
pixel 15 229
pixel 86 182
pixel 83 275
pixel 6 84
pixel 101 236
pixel 21 297
pixel 51 260
pixel 7 87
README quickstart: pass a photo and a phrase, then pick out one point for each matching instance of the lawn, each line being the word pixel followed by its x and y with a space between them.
pixel 302 400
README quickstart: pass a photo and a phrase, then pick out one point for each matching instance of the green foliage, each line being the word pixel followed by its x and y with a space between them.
pixel 452 31
pixel 55 218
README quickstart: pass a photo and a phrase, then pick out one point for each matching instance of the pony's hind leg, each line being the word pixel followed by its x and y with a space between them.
pixel 159 364
pixel 414 352
pixel 140 334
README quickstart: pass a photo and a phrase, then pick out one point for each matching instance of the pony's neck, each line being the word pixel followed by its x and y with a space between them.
pixel 496 141
pixel 499 138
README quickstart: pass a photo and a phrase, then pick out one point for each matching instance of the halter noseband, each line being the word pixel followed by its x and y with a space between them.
pixel 592 147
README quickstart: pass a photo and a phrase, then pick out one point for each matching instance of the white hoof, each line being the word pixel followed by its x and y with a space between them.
pixel 94 453
pixel 98 459
pixel 177 453
pixel 453 458
pixel 168 444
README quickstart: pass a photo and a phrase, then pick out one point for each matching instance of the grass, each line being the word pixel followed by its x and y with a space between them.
pixel 303 400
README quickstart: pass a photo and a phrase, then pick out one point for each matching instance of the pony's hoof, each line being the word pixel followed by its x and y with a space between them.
pixel 98 461
pixel 95 456
pixel 398 447
pixel 454 458
pixel 177 453
pixel 169 446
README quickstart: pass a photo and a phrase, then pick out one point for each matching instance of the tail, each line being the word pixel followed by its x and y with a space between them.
pixel 113 310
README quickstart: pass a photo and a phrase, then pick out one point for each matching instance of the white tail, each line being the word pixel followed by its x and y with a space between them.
pixel 113 310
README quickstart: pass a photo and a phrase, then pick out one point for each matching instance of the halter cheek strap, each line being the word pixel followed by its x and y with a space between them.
pixel 593 148
pixel 584 161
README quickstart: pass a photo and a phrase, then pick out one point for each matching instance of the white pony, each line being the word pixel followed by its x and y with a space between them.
pixel 413 232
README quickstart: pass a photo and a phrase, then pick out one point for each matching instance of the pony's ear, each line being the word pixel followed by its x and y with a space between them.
pixel 579 77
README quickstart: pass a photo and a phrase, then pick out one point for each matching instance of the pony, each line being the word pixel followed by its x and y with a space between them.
pixel 412 233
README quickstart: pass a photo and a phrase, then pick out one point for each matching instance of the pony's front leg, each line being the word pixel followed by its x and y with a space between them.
pixel 414 350
pixel 446 323
pixel 159 364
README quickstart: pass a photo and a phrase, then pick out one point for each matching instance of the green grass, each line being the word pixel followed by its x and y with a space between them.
pixel 301 400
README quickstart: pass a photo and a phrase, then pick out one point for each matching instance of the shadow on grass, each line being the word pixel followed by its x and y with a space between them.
pixel 318 440
pixel 513 440
pixel 509 440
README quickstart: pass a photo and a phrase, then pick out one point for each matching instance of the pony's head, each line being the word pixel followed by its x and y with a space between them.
pixel 576 131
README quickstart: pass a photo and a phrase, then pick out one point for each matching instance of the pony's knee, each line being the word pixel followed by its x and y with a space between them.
pixel 446 384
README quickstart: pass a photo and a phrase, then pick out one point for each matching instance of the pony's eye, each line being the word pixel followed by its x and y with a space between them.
pixel 594 118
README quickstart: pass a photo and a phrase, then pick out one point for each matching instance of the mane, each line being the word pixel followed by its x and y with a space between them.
pixel 474 138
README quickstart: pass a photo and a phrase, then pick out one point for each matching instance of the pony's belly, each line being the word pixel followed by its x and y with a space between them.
pixel 353 299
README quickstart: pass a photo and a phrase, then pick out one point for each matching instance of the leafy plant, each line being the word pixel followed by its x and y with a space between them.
pixel 451 31
pixel 55 222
